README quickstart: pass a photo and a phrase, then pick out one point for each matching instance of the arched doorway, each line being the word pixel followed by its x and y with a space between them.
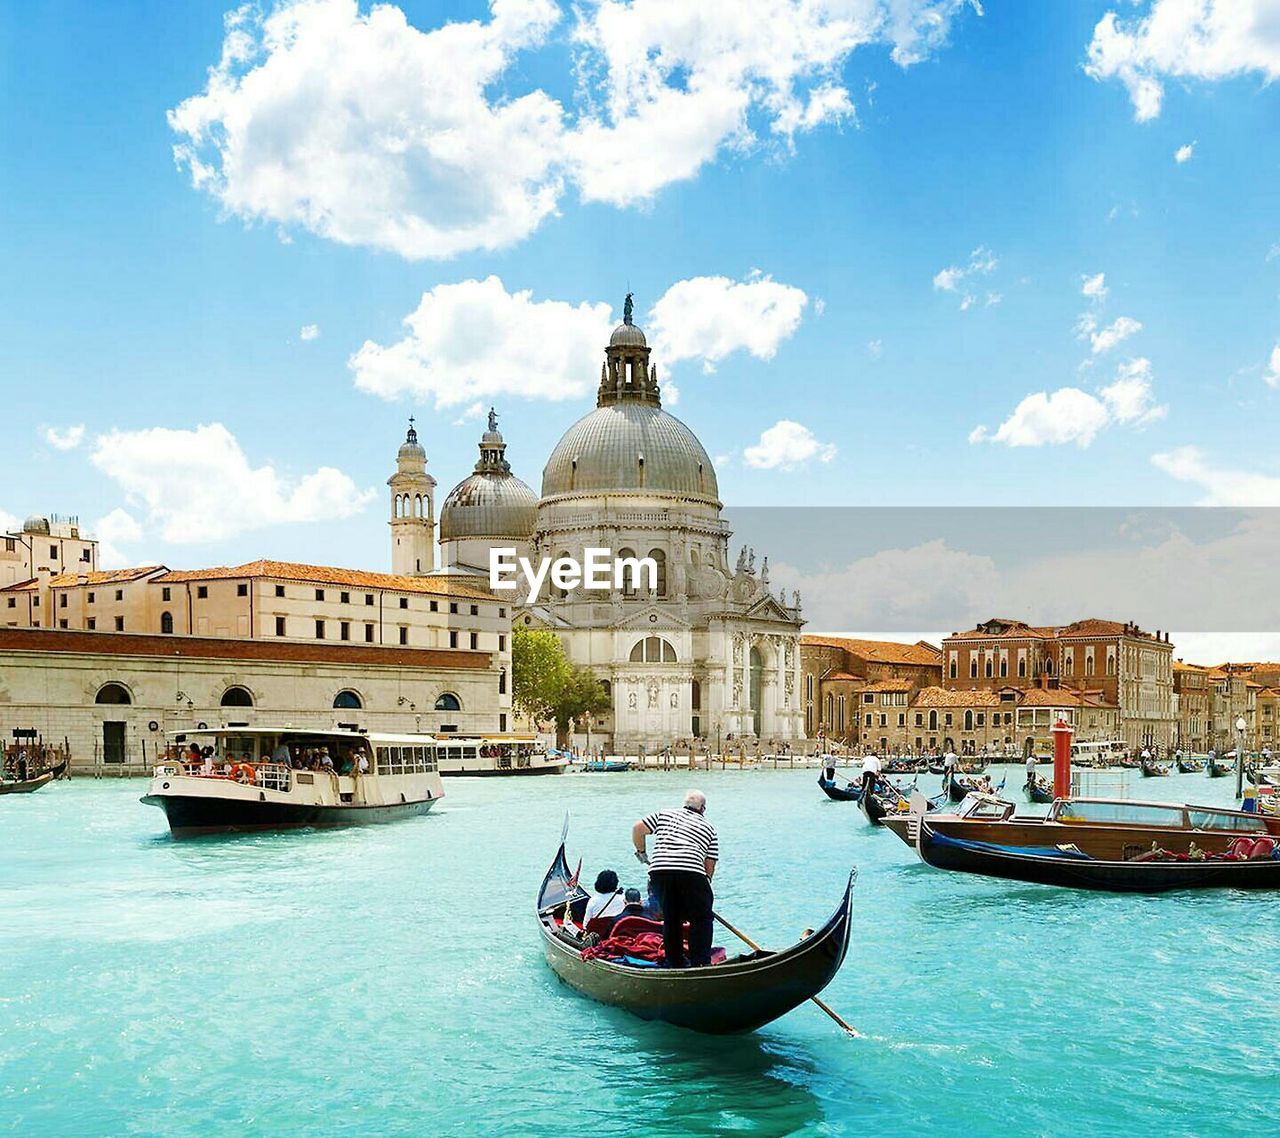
pixel 237 697
pixel 756 677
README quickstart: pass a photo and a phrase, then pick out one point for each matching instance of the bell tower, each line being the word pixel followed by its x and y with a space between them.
pixel 413 512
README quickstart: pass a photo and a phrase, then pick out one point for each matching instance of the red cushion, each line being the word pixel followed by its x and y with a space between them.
pixel 633 926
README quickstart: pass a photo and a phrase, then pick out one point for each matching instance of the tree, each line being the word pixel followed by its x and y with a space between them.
pixel 545 685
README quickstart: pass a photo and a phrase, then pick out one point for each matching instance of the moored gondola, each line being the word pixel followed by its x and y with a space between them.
pixel 850 792
pixel 741 994
pixel 1070 865
pixel 1039 791
pixel 27 785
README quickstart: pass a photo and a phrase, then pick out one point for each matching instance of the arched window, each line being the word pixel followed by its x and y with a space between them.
pixel 973 667
pixel 629 572
pixel 1048 667
pixel 502 682
pixel 653 650
pixel 113 693
pixel 447 701
pixel 952 669
pixel 660 577
pixel 166 622
pixel 347 700
pixel 989 669
pixel 1004 666
pixel 237 697
pixel 607 688
pixel 968 720
pixel 933 721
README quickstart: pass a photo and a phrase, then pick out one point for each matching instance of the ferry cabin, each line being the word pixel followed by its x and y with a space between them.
pixel 495 755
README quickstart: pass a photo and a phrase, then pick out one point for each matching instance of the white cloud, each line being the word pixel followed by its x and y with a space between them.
pixel 65 438
pixel 722 460
pixel 9 523
pixel 1272 375
pixel 1094 287
pixel 116 528
pixel 368 131
pixel 1185 39
pixel 1072 415
pixel 198 486
pixel 875 349
pixel 474 339
pixel 708 318
pixel 475 411
pixel 982 262
pixel 1222 487
pixel 1184 152
pixel 309 332
pixel 785 446
pixel 1120 329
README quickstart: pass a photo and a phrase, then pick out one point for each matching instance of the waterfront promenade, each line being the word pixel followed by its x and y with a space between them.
pixel 389 981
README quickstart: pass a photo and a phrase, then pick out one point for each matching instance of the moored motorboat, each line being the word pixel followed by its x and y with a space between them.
pixel 606 766
pixel 1074 864
pixel 274 778
pixel 742 994
pixel 26 785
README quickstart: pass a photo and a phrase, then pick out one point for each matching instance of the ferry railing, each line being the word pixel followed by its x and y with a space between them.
pixel 268 776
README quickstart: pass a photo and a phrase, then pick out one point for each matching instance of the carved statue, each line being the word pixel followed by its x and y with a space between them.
pixel 493 419
pixel 627 308
pixel 742 560
pixel 751 561
pixel 764 572
pixel 653 693
pixel 631 700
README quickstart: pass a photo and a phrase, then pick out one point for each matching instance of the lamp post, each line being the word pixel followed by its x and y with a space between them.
pixel 1240 726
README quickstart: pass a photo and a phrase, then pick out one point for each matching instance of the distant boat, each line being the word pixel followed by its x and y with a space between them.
pixel 740 994
pixel 1039 791
pixel 606 766
pixel 27 785
pixel 1215 769
pixel 1151 769
pixel 1188 766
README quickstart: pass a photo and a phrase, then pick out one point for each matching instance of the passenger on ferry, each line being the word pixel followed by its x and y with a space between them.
pixel 362 764
pixel 281 753
pixel 326 763
pixel 606 902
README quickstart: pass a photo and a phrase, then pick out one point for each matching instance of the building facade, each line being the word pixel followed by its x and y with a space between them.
pixel 48 545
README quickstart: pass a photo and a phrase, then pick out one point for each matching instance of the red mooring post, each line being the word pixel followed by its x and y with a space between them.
pixel 1061 759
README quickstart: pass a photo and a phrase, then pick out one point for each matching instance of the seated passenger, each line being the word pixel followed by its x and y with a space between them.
pixel 607 900
pixel 633 905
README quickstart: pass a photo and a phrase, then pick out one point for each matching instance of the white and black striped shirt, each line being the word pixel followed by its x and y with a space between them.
pixel 683 840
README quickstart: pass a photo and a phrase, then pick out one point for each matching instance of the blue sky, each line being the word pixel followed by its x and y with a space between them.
pixel 140 307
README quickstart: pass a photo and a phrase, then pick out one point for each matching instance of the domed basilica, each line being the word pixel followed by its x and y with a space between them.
pixel 709 651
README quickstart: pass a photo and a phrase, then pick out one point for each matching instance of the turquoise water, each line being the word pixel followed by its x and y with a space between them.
pixel 390 981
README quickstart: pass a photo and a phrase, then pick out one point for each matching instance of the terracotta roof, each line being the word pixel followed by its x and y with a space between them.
pixel 1061 697
pixel 889 685
pixel 445 585
pixel 69 580
pixel 842 676
pixel 879 651
pixel 213 648
pixel 1093 626
pixel 946 697
pixel 1020 630
pixel 1179 666
pixel 1010 630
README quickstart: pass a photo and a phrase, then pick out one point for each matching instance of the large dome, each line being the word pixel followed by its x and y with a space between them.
pixel 489 505
pixel 630 447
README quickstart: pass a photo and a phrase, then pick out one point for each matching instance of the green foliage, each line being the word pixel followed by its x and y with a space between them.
pixel 546 686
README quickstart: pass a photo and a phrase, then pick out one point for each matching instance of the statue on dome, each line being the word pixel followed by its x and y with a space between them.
pixel 493 419
pixel 627 309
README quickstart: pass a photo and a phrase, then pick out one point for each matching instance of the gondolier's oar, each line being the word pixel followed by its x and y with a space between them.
pixel 812 999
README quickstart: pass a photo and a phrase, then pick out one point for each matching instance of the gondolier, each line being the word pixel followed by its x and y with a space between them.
pixel 685 852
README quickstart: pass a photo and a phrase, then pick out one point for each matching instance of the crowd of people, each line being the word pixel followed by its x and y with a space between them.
pixel 346 759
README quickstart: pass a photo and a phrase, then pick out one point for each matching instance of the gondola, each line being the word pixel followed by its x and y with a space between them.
pixel 957 788
pixel 850 792
pixel 58 770
pixel 1152 769
pixel 1188 766
pixel 1215 769
pixel 1039 791
pixel 742 994
pixel 888 799
pixel 1070 866
pixel 937 767
pixel 974 766
pixel 27 785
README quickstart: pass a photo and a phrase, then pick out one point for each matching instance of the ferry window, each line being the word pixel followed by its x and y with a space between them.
pixel 1212 820
pixel 447 701
pixel 237 697
pixel 202 592
pixel 113 693
pixel 279 590
pixel 279 626
pixel 348 700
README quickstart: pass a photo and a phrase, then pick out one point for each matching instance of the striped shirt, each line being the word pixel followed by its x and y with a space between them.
pixel 683 840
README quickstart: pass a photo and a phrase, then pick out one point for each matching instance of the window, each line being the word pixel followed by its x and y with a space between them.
pixel 868 720
pixel 947 720
pixel 1022 667
pixel 53 551
pixel 10 545
pixel 435 606
pixel 368 598
pixel 279 626
pixel 404 602
pixel 475 641
pixel 344 630
pixel 166 623
pixel 990 670
pixel 279 590
pixel 113 693
pixel 237 697
pixel 166 594
pixel 502 642
pixel 91 624
pixel 347 700
pixel 368 634
pixel 968 720
pixel 919 718
pixel 319 629
pixel 62 624
pixel 952 669
pixel 902 719
pixel 119 594
pixel 319 594
pixel 653 650
pixel 475 610
pixel 119 624
pixel 202 591
pixel 629 571
pixel 36 602
pixel 502 614
pixel 933 721
pixel 344 598
pixel 404 635
pixel 62 600
pixel 1004 666
pixel 660 576
pixel 242 589
pixel 502 682
pixel 453 608
pixel 453 639
pixel 91 597
pixel 973 667
pixel 884 720
pixel 84 555
pixel 447 701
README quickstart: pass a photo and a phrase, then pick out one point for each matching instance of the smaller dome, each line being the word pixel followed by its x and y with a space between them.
pixel 491 505
pixel 627 335
pixel 411 448
pixel 36 524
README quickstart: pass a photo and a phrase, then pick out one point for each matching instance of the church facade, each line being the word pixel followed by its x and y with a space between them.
pixel 706 649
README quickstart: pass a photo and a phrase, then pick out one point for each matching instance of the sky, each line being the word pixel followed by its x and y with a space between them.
pixel 888 252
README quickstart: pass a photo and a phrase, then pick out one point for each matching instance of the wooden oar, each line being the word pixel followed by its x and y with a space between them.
pixel 812 999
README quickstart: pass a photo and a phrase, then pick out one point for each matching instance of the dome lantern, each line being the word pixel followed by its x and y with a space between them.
pixel 626 376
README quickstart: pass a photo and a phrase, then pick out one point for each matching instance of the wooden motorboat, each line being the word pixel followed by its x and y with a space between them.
pixel 26 785
pixel 741 994
pixel 1076 865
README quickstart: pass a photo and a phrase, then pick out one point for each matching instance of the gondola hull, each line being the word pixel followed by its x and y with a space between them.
pixel 849 793
pixel 1050 867
pixel 1038 794
pixel 27 786
pixel 725 999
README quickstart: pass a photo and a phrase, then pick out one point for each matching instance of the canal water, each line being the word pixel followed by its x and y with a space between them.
pixel 389 981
